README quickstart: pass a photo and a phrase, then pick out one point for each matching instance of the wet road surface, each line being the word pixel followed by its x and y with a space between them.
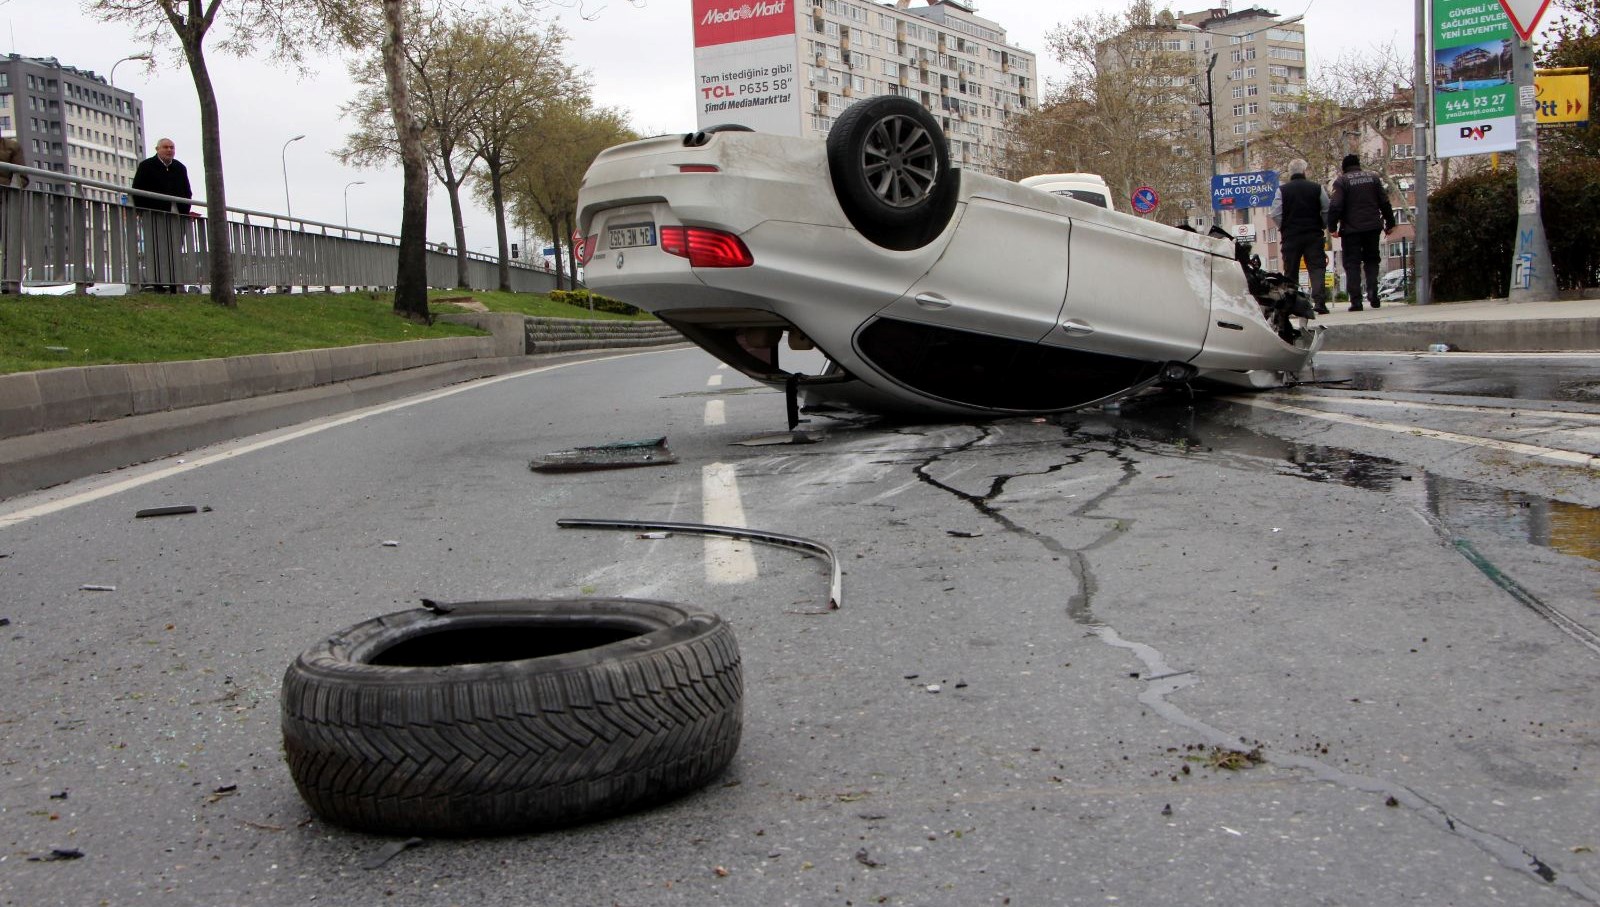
pixel 1180 652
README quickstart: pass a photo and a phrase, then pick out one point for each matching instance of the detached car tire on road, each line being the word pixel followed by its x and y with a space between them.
pixel 511 716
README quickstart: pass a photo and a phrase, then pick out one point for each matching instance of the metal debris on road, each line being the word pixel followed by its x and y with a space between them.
pixel 57 854
pixel 96 587
pixel 170 510
pixel 617 455
pixel 835 586
pixel 797 436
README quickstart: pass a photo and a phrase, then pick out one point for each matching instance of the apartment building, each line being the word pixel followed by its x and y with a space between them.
pixel 70 121
pixel 1260 73
pixel 793 66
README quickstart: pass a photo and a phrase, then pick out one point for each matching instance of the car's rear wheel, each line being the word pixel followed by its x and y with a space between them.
pixel 890 165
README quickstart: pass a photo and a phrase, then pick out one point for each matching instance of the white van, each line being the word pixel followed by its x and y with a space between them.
pixel 1085 187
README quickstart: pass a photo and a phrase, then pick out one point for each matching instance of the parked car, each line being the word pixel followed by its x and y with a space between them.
pixel 1394 287
pixel 930 290
pixel 1085 187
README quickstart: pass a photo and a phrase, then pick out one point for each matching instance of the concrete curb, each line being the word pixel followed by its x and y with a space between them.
pixel 1501 336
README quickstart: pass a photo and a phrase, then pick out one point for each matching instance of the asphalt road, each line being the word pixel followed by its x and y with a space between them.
pixel 1308 648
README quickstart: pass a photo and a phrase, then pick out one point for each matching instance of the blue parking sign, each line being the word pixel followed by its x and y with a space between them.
pixel 1244 190
pixel 1145 199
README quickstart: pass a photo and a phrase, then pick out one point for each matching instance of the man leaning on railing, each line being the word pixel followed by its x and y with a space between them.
pixel 165 174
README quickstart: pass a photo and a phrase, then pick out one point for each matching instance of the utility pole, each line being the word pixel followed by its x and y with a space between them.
pixel 1422 87
pixel 1532 277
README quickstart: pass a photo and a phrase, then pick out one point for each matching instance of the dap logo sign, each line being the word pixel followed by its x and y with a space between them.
pixel 1477 133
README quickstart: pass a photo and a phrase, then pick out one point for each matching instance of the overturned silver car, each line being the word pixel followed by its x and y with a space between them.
pixel 929 290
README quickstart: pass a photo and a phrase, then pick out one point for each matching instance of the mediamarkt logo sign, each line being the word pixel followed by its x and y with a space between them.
pixel 747 11
pixel 723 22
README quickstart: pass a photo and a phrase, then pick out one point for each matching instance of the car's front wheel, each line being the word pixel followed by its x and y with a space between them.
pixel 890 165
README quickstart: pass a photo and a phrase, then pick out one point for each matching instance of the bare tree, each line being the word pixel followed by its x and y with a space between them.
pixel 1359 95
pixel 450 77
pixel 278 29
pixel 1125 110
pixel 529 73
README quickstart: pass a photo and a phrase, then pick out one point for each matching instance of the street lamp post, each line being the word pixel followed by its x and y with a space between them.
pixel 116 116
pixel 347 200
pixel 1211 119
pixel 284 155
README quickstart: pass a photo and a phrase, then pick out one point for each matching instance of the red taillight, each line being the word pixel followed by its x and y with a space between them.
pixel 706 248
pixel 699 168
pixel 585 251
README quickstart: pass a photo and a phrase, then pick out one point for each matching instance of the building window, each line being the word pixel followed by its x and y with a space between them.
pixel 1399 151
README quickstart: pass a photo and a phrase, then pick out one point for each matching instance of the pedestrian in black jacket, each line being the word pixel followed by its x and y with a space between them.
pixel 165 174
pixel 1300 209
pixel 1359 209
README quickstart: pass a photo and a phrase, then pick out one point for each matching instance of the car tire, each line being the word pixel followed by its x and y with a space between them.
pixel 511 716
pixel 890 166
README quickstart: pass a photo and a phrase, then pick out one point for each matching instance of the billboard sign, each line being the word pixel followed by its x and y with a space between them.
pixel 744 64
pixel 1231 191
pixel 1474 100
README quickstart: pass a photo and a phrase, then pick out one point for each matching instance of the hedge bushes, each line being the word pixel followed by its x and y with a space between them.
pixel 1473 229
pixel 587 299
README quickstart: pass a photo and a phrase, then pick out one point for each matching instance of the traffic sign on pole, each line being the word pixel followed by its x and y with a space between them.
pixel 1525 15
pixel 1145 199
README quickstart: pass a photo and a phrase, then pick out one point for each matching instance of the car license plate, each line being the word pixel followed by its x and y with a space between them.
pixel 629 236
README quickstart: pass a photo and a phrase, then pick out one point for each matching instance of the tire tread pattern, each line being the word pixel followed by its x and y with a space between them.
pixel 507 752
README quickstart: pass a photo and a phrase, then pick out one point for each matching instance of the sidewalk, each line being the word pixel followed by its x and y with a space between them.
pixel 1485 326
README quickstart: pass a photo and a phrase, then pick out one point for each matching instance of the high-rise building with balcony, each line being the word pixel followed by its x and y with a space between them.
pixel 1260 72
pixel 70 121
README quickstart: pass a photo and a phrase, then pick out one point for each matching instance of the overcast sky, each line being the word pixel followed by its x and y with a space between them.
pixel 639 52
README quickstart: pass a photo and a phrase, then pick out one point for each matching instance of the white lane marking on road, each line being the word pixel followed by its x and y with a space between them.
pixel 727 560
pixel 55 505
pixel 1566 457
pixel 715 414
pixel 1448 407
pixel 714 381
pixel 722 365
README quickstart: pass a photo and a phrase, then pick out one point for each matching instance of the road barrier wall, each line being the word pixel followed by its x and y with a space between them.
pixel 62 397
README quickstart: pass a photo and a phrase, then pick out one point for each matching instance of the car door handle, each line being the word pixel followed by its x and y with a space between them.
pixel 932 301
pixel 1076 328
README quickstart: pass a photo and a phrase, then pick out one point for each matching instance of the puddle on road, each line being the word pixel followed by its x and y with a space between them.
pixel 1466 507
pixel 1569 379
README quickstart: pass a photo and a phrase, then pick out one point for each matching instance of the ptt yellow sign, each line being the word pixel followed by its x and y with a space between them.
pixel 1562 96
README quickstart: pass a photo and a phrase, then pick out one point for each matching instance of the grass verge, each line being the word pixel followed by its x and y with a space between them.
pixel 40 332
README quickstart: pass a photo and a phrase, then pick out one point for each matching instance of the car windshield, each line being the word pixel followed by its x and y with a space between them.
pixel 1084 195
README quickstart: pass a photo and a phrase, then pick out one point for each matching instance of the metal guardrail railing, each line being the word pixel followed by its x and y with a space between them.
pixel 69 238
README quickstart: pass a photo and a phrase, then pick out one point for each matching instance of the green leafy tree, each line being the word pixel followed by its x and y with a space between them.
pixel 552 157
